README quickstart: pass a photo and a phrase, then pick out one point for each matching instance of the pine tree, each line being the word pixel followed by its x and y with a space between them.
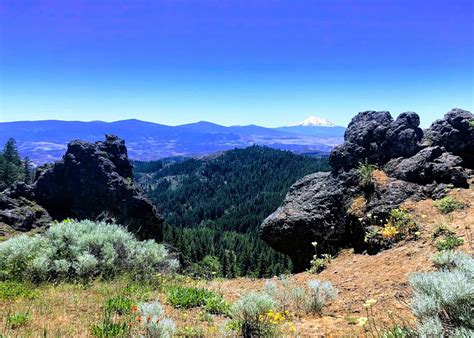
pixel 10 152
pixel 11 169
pixel 27 170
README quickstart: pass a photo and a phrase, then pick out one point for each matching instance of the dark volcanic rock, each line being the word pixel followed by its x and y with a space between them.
pixel 320 207
pixel 429 165
pixel 455 133
pixel 317 199
pixel 375 137
pixel 94 181
pixel 21 213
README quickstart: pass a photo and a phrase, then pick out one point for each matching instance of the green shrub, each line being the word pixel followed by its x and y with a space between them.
pixel 216 305
pixel 471 123
pixel 210 267
pixel 18 319
pixel 188 297
pixel 401 219
pixel 11 290
pixel 450 242
pixel 398 225
pixel 135 290
pixel 366 172
pixel 443 300
pixel 450 260
pixel 119 304
pixel 108 328
pixel 248 312
pixel 449 204
pixel 81 250
pixel 442 230
pixel 398 331
pixel 318 264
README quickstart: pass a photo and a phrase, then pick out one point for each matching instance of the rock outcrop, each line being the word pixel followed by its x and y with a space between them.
pixel 94 181
pixel 413 164
pixel 375 137
pixel 19 211
pixel 455 133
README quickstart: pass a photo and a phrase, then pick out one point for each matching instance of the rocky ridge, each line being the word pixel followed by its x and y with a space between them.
pixel 414 164
pixel 92 181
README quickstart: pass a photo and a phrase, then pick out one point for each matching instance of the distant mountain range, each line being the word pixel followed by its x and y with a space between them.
pixel 44 141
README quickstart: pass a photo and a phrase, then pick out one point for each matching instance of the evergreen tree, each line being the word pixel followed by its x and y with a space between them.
pixel 27 170
pixel 213 206
pixel 10 152
pixel 11 167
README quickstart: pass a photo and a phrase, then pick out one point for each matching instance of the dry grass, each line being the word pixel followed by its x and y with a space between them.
pixel 357 208
pixel 69 310
pixel 380 178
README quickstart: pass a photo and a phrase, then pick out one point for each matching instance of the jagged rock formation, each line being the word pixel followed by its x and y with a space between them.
pixel 18 210
pixel 94 181
pixel 455 133
pixel 415 164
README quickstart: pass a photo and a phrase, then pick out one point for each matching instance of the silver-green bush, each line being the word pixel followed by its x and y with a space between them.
pixel 443 301
pixel 247 312
pixel 319 293
pixel 292 296
pixel 152 318
pixel 81 249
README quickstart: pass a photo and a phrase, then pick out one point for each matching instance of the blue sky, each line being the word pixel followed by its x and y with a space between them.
pixel 233 62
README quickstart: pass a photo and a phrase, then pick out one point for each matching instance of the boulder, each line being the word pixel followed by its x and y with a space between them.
pixel 94 181
pixel 312 211
pixel 455 133
pixel 22 214
pixel 373 136
pixel 429 165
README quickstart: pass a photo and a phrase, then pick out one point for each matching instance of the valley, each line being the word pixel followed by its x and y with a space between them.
pixel 45 141
pixel 214 205
pixel 379 235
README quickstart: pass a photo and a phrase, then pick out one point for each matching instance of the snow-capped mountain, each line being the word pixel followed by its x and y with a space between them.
pixel 316 126
pixel 44 141
pixel 314 121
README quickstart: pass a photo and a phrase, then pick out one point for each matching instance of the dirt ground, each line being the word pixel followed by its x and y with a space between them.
pixel 69 310
pixel 383 277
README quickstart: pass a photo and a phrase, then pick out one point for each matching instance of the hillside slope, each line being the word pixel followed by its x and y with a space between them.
pixel 214 205
pixel 71 309
pixel 384 277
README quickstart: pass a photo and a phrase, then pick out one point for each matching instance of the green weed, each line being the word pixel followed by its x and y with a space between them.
pixel 450 242
pixel 449 204
pixel 18 319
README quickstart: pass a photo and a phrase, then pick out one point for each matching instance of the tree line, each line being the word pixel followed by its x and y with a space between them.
pixel 213 206
pixel 12 167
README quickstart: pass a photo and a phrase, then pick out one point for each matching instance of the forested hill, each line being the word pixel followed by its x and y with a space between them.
pixel 236 189
pixel 229 194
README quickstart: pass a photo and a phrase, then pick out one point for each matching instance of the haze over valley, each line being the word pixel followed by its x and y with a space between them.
pixel 44 141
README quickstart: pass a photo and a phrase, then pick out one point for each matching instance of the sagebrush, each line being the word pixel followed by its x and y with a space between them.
pixel 72 250
pixel 443 300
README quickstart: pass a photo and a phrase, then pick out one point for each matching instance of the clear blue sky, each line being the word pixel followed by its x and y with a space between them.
pixel 233 62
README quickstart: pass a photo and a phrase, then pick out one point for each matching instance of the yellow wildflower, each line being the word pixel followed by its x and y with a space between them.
pixel 361 321
pixel 370 302
pixel 389 231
